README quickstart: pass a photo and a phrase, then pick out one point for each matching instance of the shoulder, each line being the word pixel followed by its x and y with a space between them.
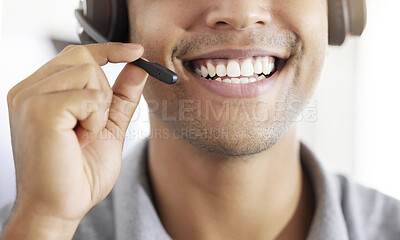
pixel 367 211
pixel 347 210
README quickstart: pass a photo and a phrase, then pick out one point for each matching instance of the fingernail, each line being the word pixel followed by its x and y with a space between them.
pixel 133 46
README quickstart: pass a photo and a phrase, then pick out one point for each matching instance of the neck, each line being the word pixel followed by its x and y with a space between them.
pixel 200 196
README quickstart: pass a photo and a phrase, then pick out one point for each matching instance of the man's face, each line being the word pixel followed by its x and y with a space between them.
pixel 246 67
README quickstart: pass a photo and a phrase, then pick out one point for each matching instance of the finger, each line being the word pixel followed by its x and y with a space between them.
pixel 98 54
pixel 103 53
pixel 63 110
pixel 87 76
pixel 127 91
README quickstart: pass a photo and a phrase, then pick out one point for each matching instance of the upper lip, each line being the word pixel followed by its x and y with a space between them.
pixel 230 53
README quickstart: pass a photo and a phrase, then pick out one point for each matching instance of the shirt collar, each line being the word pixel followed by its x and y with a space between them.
pixel 137 218
pixel 328 222
pixel 135 213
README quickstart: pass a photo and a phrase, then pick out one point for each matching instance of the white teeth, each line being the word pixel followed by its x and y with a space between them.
pixel 258 68
pixel 204 72
pixel 244 80
pixel 240 80
pixel 247 68
pixel 260 78
pixel 197 71
pixel 221 70
pixel 235 80
pixel 268 66
pixel 238 74
pixel 233 69
pixel 211 70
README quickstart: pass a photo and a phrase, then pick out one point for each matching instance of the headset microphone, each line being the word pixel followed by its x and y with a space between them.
pixel 153 69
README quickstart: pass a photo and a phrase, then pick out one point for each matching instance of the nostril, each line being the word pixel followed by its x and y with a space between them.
pixel 237 17
pixel 260 22
pixel 220 23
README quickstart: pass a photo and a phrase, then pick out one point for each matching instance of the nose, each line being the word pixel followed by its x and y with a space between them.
pixel 238 15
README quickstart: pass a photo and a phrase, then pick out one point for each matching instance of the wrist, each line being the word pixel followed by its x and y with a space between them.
pixel 28 225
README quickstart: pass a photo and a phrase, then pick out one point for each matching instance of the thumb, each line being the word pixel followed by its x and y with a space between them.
pixel 127 91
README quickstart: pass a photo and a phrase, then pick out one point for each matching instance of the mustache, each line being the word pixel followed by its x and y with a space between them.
pixel 286 40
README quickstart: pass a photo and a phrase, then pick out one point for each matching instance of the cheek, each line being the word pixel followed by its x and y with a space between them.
pixel 308 20
pixel 160 25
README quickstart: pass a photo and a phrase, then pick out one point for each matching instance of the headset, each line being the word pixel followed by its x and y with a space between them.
pixel 107 20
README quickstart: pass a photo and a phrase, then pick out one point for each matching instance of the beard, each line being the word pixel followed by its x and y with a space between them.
pixel 232 127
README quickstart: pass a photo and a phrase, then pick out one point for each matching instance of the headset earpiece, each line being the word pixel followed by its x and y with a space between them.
pixel 103 21
pixel 107 20
pixel 345 17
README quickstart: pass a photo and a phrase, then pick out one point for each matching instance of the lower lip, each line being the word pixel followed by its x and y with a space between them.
pixel 232 90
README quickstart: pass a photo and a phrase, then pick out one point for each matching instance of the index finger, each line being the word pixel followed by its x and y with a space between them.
pixel 74 55
pixel 102 53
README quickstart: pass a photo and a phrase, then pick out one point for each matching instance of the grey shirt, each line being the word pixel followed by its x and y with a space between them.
pixel 344 210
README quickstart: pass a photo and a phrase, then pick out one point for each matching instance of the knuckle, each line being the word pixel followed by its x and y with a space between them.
pixel 69 47
pixel 104 46
pixel 15 102
pixel 14 91
pixel 99 98
pixel 18 99
pixel 98 95
pixel 89 69
pixel 82 52
pixel 10 96
pixel 103 96
pixel 14 94
pixel 108 92
pixel 107 95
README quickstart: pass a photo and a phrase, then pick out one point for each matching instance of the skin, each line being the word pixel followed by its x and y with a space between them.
pixel 232 187
pixel 246 185
pixel 63 169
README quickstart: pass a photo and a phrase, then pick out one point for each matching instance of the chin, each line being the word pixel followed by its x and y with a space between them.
pixel 232 139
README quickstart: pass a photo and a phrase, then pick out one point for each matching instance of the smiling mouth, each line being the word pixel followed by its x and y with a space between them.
pixel 235 71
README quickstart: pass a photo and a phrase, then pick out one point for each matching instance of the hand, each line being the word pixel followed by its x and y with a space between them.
pixel 67 145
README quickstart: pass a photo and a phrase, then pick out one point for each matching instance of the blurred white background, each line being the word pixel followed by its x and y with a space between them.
pixel 356 129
